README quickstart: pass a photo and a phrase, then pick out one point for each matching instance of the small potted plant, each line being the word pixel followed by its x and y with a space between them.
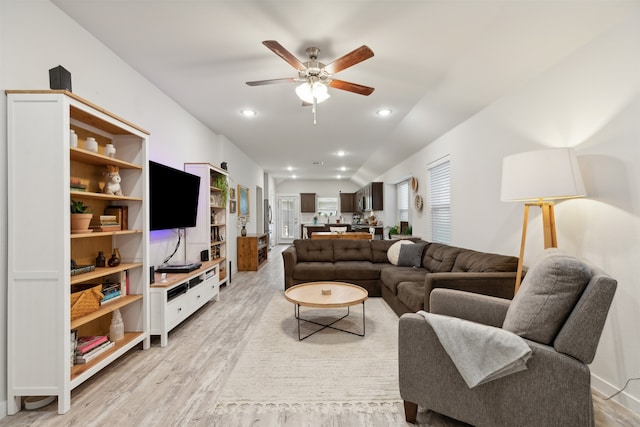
pixel 80 216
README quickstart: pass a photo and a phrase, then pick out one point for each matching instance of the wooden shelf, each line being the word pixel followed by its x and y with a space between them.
pixel 104 233
pixel 105 309
pixel 102 272
pixel 101 196
pixel 98 159
pixel 78 369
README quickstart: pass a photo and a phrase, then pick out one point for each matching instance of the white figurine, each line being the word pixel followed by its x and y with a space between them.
pixel 112 181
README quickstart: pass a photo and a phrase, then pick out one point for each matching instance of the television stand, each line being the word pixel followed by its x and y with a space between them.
pixel 179 268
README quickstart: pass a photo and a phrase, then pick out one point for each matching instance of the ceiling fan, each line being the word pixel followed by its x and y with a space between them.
pixel 315 76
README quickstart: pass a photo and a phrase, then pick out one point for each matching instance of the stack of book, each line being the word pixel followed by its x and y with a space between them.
pixel 109 223
pixel 111 291
pixel 76 185
pixel 91 347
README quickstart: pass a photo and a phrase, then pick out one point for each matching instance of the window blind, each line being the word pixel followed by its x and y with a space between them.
pixel 402 191
pixel 440 202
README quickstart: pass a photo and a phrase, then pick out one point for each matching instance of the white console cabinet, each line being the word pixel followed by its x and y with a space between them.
pixel 180 295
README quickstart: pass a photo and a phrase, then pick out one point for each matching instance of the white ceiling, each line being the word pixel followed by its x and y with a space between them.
pixel 436 64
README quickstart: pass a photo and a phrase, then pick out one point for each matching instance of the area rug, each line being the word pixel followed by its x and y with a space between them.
pixel 329 371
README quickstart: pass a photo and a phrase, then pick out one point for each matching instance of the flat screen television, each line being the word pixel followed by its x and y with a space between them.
pixel 173 197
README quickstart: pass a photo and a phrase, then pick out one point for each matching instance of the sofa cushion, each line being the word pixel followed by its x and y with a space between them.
pixel 356 270
pixel 351 250
pixel 314 250
pixel 314 271
pixel 411 294
pixel 439 258
pixel 379 250
pixel 392 276
pixel 394 250
pixel 411 255
pixel 546 297
pixel 469 260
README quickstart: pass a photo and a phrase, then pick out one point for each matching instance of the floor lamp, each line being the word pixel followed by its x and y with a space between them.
pixel 537 178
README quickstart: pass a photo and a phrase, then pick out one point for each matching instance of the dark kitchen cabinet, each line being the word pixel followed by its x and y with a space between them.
pixel 348 202
pixel 308 202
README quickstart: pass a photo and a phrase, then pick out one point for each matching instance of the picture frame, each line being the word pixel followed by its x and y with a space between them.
pixel 232 194
pixel 243 201
pixel 232 206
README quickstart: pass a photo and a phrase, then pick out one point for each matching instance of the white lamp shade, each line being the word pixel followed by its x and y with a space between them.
pixel 545 174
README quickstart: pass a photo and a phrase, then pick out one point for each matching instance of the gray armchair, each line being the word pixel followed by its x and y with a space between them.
pixel 560 311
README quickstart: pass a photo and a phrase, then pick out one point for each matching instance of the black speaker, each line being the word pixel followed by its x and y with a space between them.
pixel 60 78
pixel 152 275
pixel 204 255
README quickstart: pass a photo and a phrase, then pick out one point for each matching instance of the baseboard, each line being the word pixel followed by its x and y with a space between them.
pixel 630 402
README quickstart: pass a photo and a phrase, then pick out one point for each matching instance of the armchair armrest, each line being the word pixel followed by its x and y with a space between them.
pixel 290 259
pixel 477 308
pixel 497 284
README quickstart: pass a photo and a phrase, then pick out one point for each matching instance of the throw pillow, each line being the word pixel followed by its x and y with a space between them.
pixel 548 293
pixel 411 255
pixel 393 253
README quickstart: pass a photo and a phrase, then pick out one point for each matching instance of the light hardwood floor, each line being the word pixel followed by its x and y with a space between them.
pixel 178 384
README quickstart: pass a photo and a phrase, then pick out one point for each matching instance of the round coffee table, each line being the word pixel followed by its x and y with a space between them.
pixel 326 295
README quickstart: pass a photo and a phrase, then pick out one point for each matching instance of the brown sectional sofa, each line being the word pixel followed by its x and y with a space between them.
pixel 405 289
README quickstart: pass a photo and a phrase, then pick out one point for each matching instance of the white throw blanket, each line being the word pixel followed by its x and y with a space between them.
pixel 481 353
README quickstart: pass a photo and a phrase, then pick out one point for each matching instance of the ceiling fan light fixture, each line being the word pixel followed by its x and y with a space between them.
pixel 307 91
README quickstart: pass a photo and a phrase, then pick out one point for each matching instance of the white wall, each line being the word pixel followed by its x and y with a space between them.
pixel 590 101
pixel 35 36
pixel 330 188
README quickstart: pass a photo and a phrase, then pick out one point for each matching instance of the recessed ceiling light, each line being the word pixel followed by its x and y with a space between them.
pixel 340 153
pixel 247 113
pixel 293 176
pixel 383 112
pixel 339 176
pixel 343 168
pixel 289 168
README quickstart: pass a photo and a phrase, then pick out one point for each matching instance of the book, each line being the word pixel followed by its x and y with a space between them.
pixel 111 296
pixel 121 213
pixel 80 359
pixel 86 344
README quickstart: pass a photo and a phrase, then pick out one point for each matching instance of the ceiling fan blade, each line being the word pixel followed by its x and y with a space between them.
pixel 352 58
pixel 283 53
pixel 351 87
pixel 272 81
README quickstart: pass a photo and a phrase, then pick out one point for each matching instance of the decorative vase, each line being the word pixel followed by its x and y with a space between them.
pixel 114 261
pixel 73 138
pixel 90 144
pixel 315 220
pixel 243 231
pixel 110 150
pixel 80 222
pixel 100 259
pixel 116 329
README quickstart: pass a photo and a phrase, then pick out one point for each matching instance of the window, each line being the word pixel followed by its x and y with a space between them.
pixel 328 206
pixel 402 192
pixel 440 200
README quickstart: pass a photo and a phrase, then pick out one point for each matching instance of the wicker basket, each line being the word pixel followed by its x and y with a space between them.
pixel 85 302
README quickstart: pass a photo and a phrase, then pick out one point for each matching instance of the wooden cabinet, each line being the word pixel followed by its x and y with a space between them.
pixel 308 202
pixel 180 295
pixel 42 168
pixel 371 197
pixel 210 232
pixel 252 251
pixel 375 194
pixel 348 202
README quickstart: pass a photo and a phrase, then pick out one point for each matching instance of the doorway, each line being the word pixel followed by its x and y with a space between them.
pixel 287 219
